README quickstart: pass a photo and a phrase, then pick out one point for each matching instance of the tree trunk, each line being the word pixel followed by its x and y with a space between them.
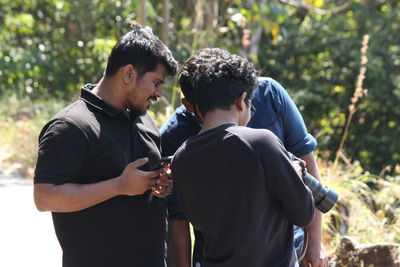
pixel 198 22
pixel 211 23
pixel 142 12
pixel 166 19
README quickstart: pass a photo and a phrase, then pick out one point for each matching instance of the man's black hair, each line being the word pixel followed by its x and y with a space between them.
pixel 214 78
pixel 141 48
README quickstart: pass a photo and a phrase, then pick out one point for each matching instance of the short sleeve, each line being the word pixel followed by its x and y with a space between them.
pixel 174 133
pixel 296 137
pixel 61 155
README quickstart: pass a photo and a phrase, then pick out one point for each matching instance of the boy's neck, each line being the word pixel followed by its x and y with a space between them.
pixel 219 117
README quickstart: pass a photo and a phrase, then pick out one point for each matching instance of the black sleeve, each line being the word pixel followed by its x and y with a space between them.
pixel 284 182
pixel 62 152
pixel 174 133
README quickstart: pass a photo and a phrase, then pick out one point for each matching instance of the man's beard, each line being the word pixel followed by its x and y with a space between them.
pixel 139 111
pixel 142 110
pixel 152 98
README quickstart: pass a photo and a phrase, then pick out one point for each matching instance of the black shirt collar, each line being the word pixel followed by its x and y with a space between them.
pixel 97 102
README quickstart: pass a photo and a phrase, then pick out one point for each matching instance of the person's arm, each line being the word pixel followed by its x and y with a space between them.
pixel 63 150
pixel 315 254
pixel 179 233
pixel 181 242
pixel 174 132
pixel 302 144
pixel 70 197
pixel 284 183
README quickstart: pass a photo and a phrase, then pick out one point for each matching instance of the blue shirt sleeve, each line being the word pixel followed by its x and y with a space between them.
pixel 174 133
pixel 276 111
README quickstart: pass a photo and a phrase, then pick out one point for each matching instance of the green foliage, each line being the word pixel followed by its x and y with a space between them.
pixel 318 60
pixel 368 207
pixel 49 48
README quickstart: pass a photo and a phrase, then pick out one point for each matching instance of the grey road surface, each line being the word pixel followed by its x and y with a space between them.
pixel 27 237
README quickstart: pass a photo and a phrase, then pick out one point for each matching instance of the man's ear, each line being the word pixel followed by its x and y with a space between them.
pixel 189 107
pixel 128 73
pixel 240 102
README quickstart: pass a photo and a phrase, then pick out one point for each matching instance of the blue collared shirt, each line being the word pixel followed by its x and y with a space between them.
pixel 276 112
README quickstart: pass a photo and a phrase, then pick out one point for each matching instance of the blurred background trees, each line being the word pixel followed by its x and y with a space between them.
pixel 50 48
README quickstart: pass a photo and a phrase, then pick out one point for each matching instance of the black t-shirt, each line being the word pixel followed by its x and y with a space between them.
pixel 90 141
pixel 239 189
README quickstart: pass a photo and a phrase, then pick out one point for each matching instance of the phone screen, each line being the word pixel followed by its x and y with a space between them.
pixel 162 163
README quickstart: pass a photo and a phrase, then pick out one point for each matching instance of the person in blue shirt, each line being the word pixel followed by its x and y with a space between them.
pixel 275 111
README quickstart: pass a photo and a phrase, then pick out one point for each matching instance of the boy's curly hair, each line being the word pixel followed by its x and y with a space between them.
pixel 214 78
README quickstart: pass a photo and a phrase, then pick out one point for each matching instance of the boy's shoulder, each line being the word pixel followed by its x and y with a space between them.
pixel 253 135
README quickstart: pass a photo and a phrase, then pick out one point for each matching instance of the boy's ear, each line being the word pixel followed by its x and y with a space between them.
pixel 189 107
pixel 129 74
pixel 192 109
pixel 240 102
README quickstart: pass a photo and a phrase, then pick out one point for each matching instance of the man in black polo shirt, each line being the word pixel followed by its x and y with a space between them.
pixel 237 185
pixel 94 159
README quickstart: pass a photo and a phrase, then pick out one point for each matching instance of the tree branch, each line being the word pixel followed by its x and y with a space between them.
pixel 308 7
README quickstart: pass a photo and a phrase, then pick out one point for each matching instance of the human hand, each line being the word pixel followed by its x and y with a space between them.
pixel 133 181
pixel 163 186
pixel 298 166
pixel 315 255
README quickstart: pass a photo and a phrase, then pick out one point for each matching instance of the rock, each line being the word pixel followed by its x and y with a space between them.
pixel 340 218
pixel 26 113
pixel 351 254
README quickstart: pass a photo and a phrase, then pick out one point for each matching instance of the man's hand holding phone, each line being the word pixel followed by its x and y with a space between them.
pixel 163 185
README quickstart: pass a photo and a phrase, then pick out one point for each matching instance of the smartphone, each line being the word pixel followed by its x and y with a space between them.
pixel 162 163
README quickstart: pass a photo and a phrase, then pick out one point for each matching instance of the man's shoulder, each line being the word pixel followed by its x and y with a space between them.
pixel 268 87
pixel 75 112
pixel 268 98
pixel 75 116
pixel 181 120
pixel 179 127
